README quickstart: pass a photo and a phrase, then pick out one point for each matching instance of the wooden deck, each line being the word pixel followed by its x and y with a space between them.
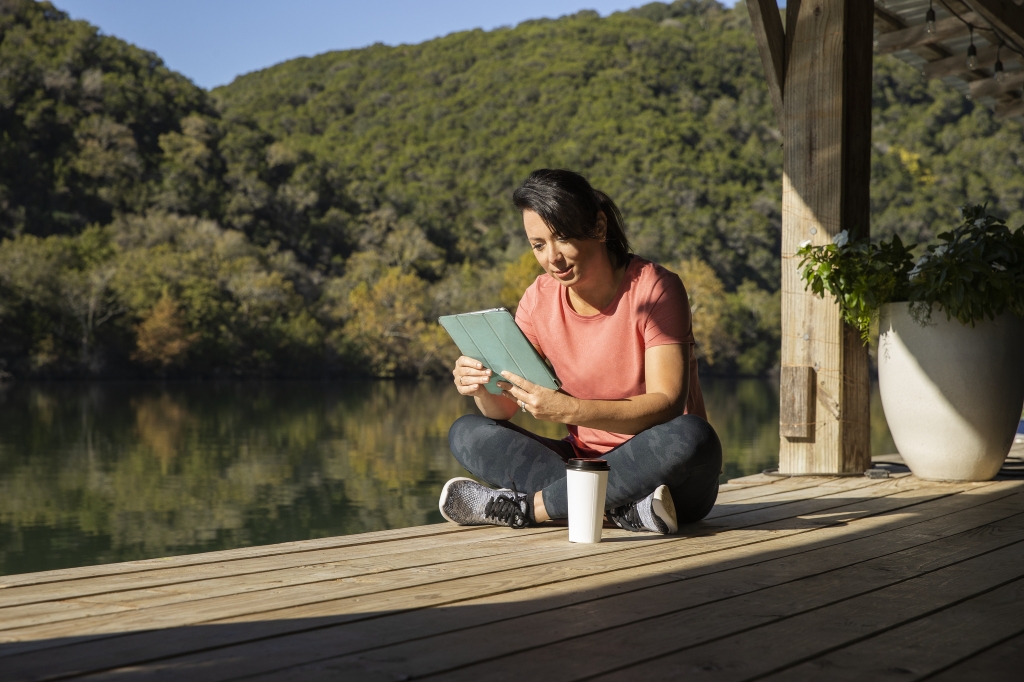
pixel 787 579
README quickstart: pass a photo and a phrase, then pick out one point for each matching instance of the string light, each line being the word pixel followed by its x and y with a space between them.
pixel 972 51
pixel 929 18
pixel 998 68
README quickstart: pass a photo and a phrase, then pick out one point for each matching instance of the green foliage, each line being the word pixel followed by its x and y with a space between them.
pixel 279 212
pixel 860 275
pixel 82 117
pixel 976 272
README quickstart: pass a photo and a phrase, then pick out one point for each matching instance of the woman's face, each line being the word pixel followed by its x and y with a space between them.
pixel 569 261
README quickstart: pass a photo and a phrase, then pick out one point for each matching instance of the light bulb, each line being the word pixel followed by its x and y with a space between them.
pixel 972 57
pixel 1000 74
pixel 929 19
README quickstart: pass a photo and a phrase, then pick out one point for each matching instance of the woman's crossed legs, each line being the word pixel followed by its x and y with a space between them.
pixel 683 454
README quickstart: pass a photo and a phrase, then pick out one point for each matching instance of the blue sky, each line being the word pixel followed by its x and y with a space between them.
pixel 212 41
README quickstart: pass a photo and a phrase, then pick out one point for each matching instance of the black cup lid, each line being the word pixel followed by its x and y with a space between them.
pixel 587 465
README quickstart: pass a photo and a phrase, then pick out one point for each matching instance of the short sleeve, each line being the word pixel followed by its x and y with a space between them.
pixel 524 313
pixel 669 320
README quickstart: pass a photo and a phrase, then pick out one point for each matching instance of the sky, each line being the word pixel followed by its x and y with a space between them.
pixel 212 41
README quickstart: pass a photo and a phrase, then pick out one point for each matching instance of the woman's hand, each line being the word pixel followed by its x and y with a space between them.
pixel 471 377
pixel 543 403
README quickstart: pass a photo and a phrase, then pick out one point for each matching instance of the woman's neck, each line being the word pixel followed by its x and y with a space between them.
pixel 594 295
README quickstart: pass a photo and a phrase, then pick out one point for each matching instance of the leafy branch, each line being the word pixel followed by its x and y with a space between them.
pixel 975 272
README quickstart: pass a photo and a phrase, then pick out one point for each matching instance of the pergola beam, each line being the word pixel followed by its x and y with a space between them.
pixel 990 87
pixel 771 43
pixel 956 65
pixel 1003 15
pixel 1009 109
pixel 917 36
pixel 887 22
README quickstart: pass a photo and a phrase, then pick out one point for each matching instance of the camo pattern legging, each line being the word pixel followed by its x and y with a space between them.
pixel 684 454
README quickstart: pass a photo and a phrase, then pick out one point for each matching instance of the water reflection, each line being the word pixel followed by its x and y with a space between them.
pixel 95 473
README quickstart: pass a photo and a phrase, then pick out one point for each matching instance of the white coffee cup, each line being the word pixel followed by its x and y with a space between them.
pixel 587 482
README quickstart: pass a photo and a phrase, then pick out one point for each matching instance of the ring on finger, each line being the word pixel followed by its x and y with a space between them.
pixel 522 405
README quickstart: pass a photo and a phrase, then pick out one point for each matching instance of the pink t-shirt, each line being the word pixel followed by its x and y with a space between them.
pixel 601 357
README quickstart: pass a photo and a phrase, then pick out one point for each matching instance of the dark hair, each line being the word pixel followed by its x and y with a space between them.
pixel 568 205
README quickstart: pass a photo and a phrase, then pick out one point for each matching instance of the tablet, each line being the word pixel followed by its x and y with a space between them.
pixel 493 337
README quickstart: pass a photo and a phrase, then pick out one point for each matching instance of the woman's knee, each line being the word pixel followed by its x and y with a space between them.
pixel 463 434
pixel 699 445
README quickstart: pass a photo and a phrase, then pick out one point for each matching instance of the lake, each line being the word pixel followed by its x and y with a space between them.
pixel 94 473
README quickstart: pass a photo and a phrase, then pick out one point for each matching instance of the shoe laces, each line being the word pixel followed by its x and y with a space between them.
pixel 508 509
pixel 627 517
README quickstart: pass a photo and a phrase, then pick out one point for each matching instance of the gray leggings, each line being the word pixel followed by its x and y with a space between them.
pixel 684 454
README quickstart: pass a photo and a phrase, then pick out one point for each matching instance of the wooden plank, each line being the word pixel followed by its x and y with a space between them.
pixel 956 65
pixel 924 646
pixel 771 43
pixel 990 87
pixel 916 36
pixel 630 628
pixel 123 568
pixel 819 606
pixel 194 607
pixel 413 548
pixel 1008 110
pixel 296 611
pixel 825 190
pixel 1001 663
pixel 887 22
pixel 110 598
pixel 656 563
pixel 424 650
pixel 219 599
pixel 796 409
pixel 242 557
pixel 1002 15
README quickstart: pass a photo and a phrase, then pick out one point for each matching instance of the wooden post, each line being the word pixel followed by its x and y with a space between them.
pixel 826 119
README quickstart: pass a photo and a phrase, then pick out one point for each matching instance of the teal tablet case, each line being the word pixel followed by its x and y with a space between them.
pixel 493 337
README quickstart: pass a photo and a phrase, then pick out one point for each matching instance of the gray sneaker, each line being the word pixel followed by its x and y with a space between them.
pixel 467 503
pixel 656 513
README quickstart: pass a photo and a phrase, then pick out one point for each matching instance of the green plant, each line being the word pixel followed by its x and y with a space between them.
pixel 975 272
pixel 860 275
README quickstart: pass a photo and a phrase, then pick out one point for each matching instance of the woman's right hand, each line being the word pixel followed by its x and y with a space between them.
pixel 471 376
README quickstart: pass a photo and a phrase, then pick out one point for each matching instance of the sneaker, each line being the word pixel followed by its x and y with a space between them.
pixel 467 503
pixel 656 513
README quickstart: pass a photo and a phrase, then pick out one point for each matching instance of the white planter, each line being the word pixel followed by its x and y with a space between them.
pixel 952 394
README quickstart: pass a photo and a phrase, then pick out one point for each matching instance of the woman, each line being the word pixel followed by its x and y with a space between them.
pixel 616 328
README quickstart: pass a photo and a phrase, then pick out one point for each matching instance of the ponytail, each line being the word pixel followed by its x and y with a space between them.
pixel 568 205
pixel 615 234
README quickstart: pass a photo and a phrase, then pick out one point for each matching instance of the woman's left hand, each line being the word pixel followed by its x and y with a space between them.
pixel 543 403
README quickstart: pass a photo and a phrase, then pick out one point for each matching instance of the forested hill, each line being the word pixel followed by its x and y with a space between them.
pixel 315 217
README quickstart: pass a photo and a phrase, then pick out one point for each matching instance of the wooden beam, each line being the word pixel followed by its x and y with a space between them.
pixel 990 87
pixel 1009 109
pixel 826 178
pixel 956 65
pixel 771 43
pixel 887 22
pixel 916 36
pixel 792 12
pixel 1003 16
pixel 796 409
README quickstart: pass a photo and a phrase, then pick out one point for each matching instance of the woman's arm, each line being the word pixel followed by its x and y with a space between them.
pixel 666 373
